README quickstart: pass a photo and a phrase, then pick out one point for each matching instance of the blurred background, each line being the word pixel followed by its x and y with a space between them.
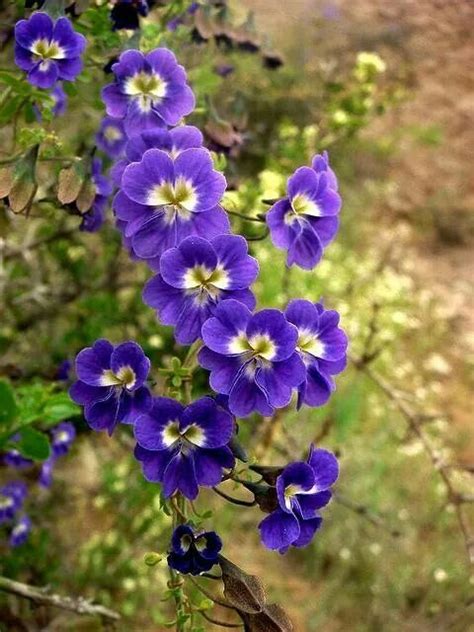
pixel 385 87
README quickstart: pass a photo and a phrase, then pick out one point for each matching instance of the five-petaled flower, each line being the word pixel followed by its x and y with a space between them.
pixel 164 200
pixel 252 358
pixel 111 137
pixel 111 384
pixel 302 489
pixel 193 553
pixel 149 91
pixel 304 222
pixel 195 277
pixel 48 50
pixel 184 447
pixel 172 141
pixel 322 346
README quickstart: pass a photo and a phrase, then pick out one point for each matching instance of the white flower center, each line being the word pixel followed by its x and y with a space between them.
pixel 6 502
pixel 259 346
pixel 204 282
pixel 112 134
pixel 308 342
pixel 147 88
pixel 193 434
pixel 177 199
pixel 124 377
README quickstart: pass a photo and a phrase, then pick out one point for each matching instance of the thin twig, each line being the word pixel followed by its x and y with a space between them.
pixel 235 501
pixel 222 624
pixel 19 252
pixel 442 468
pixel 41 596
pixel 366 512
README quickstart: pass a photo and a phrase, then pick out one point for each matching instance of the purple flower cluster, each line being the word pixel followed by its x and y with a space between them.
pixel 305 222
pixel 13 494
pixel 168 210
pixel 12 497
pixel 302 489
pixel 48 50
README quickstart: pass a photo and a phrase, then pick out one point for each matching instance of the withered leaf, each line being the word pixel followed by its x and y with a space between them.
pixel 6 179
pixel 86 196
pixel 21 195
pixel 272 619
pixel 223 133
pixel 70 182
pixel 244 592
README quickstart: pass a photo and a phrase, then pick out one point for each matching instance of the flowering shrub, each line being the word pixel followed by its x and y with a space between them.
pixel 185 421
pixel 168 205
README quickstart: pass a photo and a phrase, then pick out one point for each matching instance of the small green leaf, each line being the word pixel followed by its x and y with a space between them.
pixel 58 408
pixel 33 444
pixel 8 407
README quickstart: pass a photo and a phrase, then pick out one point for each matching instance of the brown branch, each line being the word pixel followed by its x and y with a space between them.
pixel 222 624
pixel 362 510
pixel 40 596
pixel 19 252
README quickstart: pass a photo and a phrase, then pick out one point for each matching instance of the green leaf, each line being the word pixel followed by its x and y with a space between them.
pixel 8 407
pixel 58 408
pixel 33 444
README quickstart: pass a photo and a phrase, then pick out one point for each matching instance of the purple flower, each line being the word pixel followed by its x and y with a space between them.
pixel 111 384
pixel 46 472
pixel 306 220
pixel 62 437
pixel 322 346
pixel 111 137
pixel 59 98
pixel 173 142
pixel 224 70
pixel 252 358
pixel 183 448
pixel 48 50
pixel 63 372
pixel 164 200
pixel 12 496
pixel 149 91
pixel 20 532
pixel 195 277
pixel 14 458
pixel 94 218
pixel 193 553
pixel 302 489
pixel 124 14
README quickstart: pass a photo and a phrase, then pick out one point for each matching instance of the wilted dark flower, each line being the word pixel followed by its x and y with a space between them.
pixel 193 553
